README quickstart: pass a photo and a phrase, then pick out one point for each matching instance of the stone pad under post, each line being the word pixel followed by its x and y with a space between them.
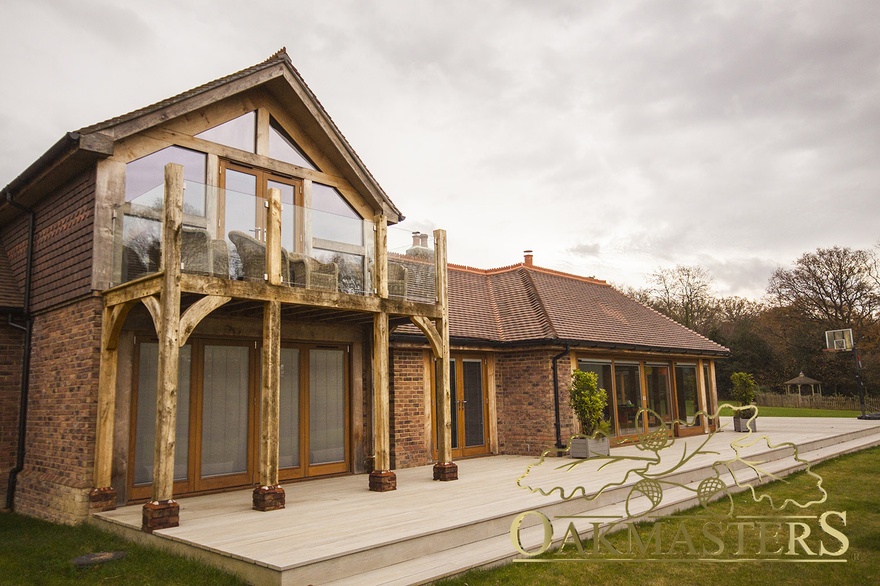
pixel 160 515
pixel 383 481
pixel 102 499
pixel 445 471
pixel 269 498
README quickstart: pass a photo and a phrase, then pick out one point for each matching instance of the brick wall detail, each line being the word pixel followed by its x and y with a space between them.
pixel 62 413
pixel 410 443
pixel 524 395
pixel 11 341
pixel 64 237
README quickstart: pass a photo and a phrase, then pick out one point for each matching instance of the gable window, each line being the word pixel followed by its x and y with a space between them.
pixel 284 148
pixel 144 179
pixel 239 133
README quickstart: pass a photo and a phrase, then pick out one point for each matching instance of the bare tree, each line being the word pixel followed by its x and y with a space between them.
pixel 684 293
pixel 836 287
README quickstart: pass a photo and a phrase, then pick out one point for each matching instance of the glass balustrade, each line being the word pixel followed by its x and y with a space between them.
pixel 224 236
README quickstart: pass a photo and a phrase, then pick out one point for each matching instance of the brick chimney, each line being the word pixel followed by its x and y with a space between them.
pixel 528 257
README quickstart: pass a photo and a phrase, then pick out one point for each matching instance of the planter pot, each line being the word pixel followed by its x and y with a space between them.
pixel 744 425
pixel 582 447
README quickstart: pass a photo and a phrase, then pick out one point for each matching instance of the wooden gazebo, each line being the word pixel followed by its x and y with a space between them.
pixel 802 381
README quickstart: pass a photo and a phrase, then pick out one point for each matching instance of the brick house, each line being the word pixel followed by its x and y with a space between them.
pixel 517 333
pixel 210 293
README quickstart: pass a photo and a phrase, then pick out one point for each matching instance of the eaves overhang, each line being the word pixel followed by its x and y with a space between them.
pixel 573 344
pixel 72 154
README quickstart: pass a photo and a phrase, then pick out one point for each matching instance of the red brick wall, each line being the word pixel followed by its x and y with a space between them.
pixel 524 395
pixel 11 341
pixel 410 445
pixel 62 410
pixel 62 244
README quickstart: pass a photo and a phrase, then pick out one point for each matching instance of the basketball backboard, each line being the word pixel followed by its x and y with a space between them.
pixel 839 340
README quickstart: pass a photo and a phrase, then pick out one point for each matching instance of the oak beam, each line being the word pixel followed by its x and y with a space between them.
pixel 256 291
pixel 137 289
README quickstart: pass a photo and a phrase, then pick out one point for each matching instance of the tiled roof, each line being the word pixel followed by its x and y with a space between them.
pixel 10 296
pixel 521 304
pixel 279 57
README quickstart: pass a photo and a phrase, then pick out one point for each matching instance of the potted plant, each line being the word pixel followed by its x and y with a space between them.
pixel 588 402
pixel 744 388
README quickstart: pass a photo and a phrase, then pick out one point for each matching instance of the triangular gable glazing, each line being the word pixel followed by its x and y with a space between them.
pixel 284 148
pixel 239 133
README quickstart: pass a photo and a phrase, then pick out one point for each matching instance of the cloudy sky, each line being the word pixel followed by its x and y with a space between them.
pixel 612 138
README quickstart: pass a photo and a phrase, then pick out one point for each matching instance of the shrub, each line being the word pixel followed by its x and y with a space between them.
pixel 744 388
pixel 589 402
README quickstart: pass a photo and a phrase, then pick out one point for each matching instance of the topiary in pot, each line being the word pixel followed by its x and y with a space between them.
pixel 744 388
pixel 588 402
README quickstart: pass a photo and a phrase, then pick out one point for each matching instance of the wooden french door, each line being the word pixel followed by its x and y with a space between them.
pixel 217 436
pixel 314 431
pixel 243 203
pixel 469 396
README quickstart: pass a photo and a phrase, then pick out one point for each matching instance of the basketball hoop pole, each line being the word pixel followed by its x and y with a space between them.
pixel 859 380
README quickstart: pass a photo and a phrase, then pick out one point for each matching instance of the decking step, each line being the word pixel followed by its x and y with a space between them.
pixel 333 531
pixel 446 560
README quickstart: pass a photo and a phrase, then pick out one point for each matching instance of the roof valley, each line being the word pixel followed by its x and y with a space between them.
pixel 538 304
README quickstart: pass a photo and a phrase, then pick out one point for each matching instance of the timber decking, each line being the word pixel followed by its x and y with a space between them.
pixel 336 531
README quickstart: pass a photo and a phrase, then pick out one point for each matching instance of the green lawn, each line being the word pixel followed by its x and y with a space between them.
pixel 804 412
pixel 840 475
pixel 40 553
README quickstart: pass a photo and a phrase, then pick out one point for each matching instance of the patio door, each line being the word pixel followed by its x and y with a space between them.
pixel 468 391
pixel 218 429
pixel 659 394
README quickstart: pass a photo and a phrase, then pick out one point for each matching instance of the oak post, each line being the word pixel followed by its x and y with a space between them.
pixel 702 394
pixel 163 511
pixel 103 496
pixel 381 478
pixel 381 263
pixel 444 469
pixel 273 237
pixel 269 496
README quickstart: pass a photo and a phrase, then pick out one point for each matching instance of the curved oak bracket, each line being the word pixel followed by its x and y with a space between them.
pixel 198 311
pixel 430 330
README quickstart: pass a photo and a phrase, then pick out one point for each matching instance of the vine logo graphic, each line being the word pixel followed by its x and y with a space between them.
pixel 625 502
